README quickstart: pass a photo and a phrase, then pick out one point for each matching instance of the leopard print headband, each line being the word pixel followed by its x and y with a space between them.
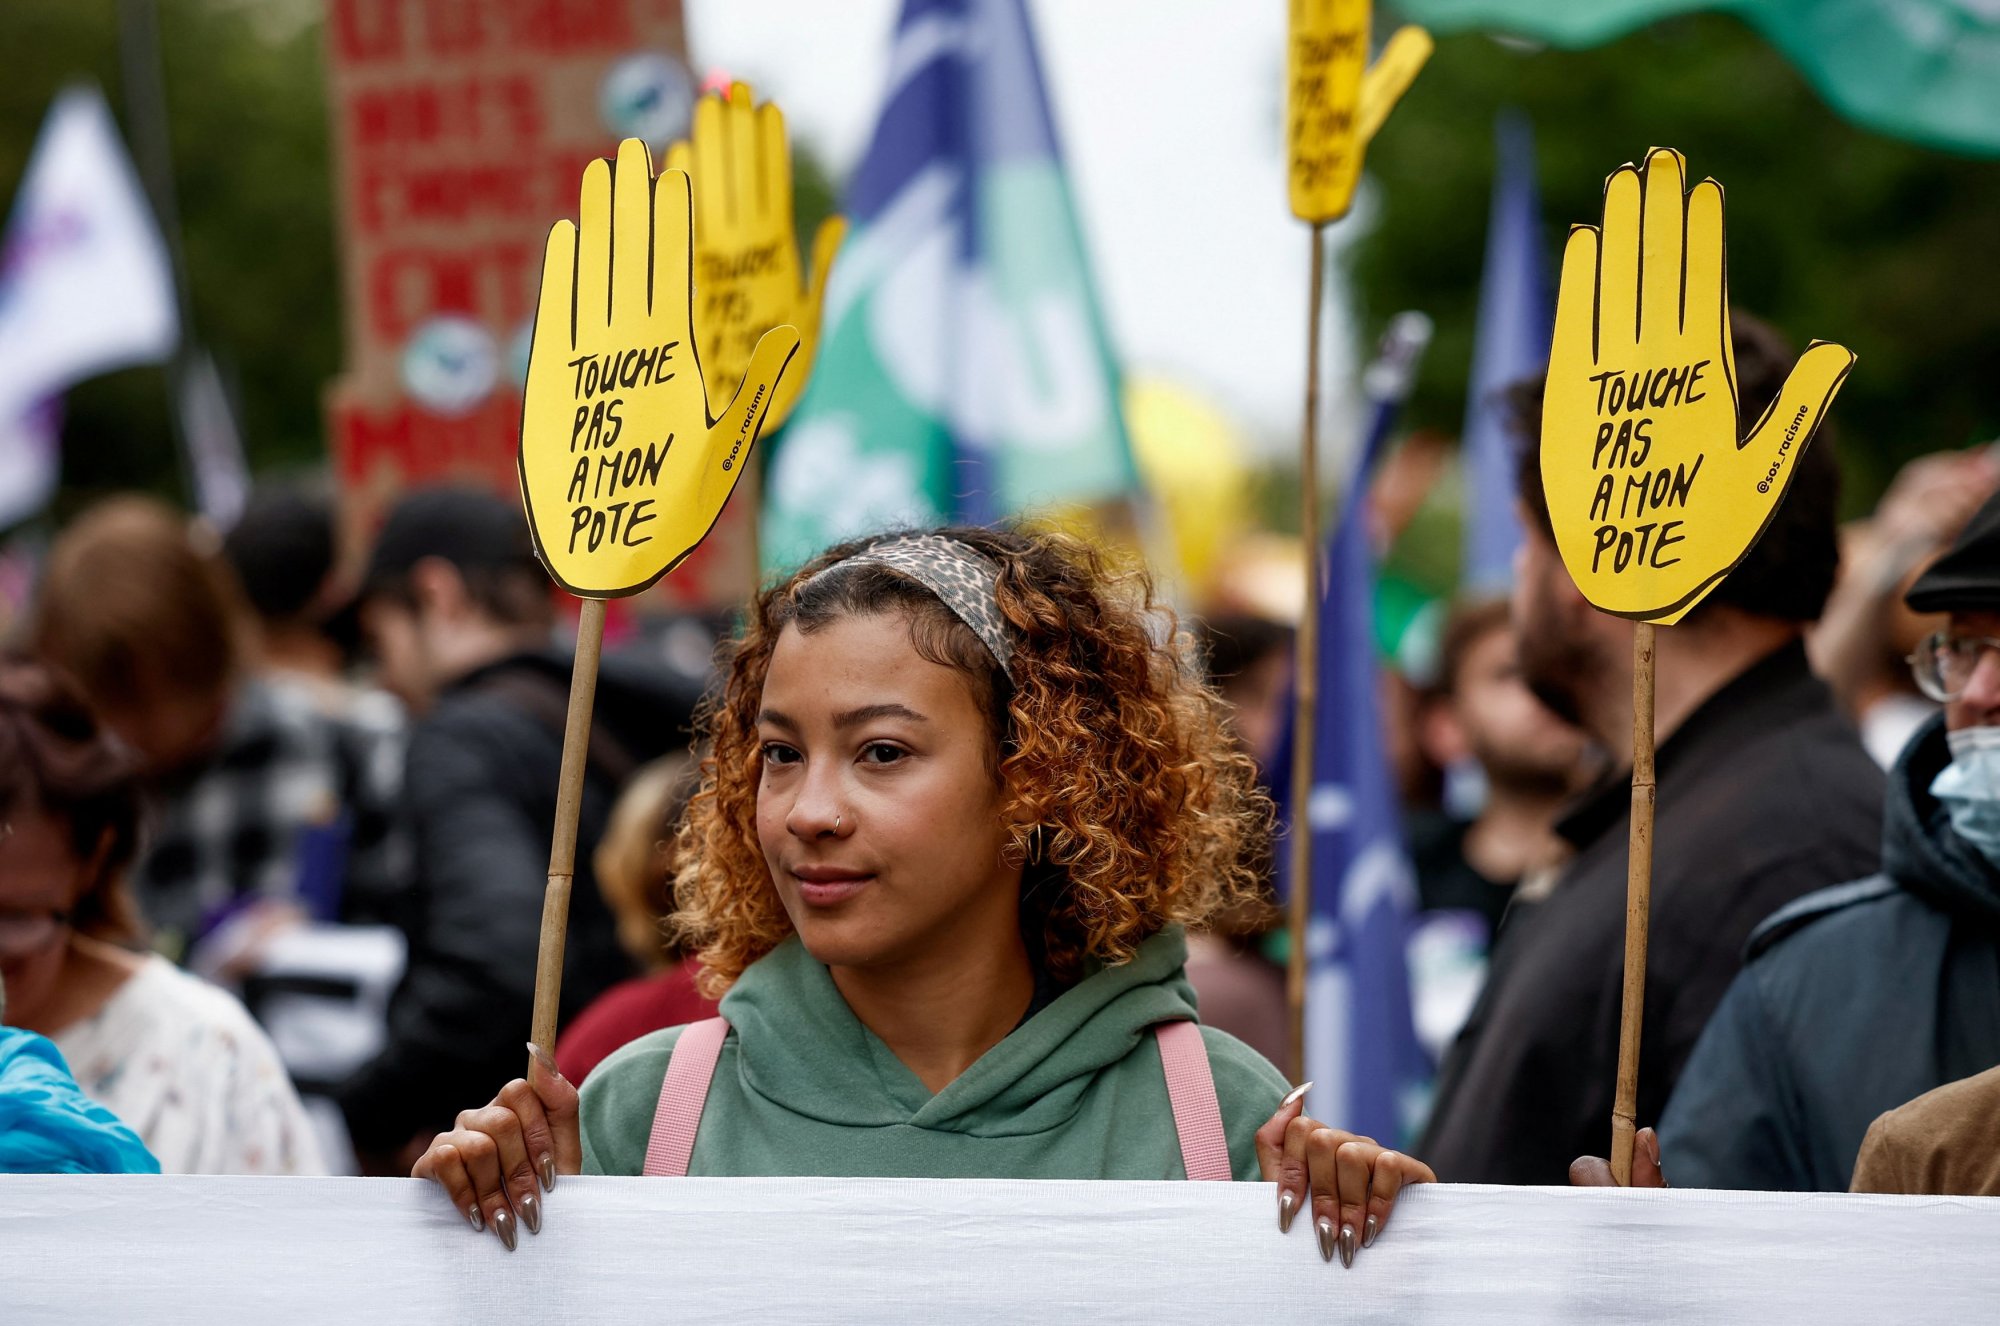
pixel 965 581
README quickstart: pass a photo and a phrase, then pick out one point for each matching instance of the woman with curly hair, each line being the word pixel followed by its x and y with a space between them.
pixel 963 793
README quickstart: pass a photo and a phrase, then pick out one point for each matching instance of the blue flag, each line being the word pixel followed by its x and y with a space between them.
pixel 1361 1043
pixel 964 372
pixel 1510 343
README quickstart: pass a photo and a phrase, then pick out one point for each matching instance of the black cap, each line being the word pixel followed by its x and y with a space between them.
pixel 468 527
pixel 1967 577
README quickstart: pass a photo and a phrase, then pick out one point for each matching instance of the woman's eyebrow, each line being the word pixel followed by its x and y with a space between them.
pixel 870 712
pixel 776 719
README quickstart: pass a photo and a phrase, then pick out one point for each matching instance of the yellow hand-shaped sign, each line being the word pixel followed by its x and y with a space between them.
pixel 746 251
pixel 624 467
pixel 1335 101
pixel 1653 496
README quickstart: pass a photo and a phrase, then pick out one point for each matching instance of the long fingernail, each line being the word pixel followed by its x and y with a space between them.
pixel 542 1058
pixel 503 1225
pixel 1347 1245
pixel 530 1207
pixel 547 1166
pixel 476 1220
pixel 1295 1094
pixel 1288 1208
pixel 1369 1229
pixel 1324 1228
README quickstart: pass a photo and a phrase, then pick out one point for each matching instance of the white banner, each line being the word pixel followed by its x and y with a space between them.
pixel 363 1252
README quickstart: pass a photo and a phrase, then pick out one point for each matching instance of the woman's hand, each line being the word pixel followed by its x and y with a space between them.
pixel 491 1162
pixel 1350 1182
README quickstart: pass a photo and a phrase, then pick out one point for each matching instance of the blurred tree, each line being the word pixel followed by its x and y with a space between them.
pixel 245 90
pixel 1833 231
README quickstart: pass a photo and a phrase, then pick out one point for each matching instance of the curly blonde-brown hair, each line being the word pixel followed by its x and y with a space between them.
pixel 1133 808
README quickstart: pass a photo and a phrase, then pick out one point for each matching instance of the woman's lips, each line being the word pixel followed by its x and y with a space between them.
pixel 826 886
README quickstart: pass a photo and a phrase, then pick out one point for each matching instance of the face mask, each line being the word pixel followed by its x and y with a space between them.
pixel 1969 788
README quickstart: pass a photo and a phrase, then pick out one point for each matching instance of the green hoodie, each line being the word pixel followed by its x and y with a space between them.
pixel 803 1088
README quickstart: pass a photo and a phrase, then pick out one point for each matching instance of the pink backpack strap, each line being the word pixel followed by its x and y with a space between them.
pixel 1191 1090
pixel 682 1096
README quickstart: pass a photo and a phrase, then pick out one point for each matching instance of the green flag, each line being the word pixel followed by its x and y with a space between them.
pixel 964 373
pixel 1926 70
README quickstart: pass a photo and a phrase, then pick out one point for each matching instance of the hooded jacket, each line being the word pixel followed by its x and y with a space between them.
pixel 479 804
pixel 1855 1000
pixel 803 1088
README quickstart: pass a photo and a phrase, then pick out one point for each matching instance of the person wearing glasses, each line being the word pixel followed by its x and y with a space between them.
pixel 1863 996
pixel 176 1060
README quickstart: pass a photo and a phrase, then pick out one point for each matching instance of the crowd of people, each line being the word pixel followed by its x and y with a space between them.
pixel 932 870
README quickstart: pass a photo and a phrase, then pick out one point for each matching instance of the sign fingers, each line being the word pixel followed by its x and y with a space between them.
pixel 1618 266
pixel 1661 246
pixel 739 138
pixel 673 253
pixel 1575 340
pixel 1707 299
pixel 774 164
pixel 711 165
pixel 738 423
pixel 632 230
pixel 1390 77
pixel 555 306
pixel 593 257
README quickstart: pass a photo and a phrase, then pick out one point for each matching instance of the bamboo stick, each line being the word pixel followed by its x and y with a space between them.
pixel 1638 906
pixel 1305 677
pixel 569 803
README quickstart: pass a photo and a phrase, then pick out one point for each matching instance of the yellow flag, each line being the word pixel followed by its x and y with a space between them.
pixel 746 249
pixel 1335 101
pixel 624 463
pixel 1653 495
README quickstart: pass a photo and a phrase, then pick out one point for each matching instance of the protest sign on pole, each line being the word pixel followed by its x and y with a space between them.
pixel 746 252
pixel 1334 103
pixel 1653 495
pixel 624 461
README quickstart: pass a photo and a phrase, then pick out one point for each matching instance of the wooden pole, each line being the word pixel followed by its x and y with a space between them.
pixel 1638 906
pixel 1305 676
pixel 569 802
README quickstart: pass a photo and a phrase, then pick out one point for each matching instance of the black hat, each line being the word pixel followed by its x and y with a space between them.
pixel 1967 577
pixel 468 527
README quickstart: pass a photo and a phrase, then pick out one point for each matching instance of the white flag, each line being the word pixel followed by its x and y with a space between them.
pixel 85 284
pixel 221 476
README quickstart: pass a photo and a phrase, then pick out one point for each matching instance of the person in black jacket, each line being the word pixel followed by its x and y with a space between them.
pixel 459 615
pixel 1862 996
pixel 1764 794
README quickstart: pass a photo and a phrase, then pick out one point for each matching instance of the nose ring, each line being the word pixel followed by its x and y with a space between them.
pixel 836 824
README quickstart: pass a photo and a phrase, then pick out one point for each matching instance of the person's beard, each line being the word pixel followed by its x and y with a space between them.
pixel 1554 662
pixel 1529 778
